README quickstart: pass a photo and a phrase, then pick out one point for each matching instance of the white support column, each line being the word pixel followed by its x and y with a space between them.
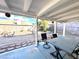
pixel 55 26
pixel 36 32
pixel 64 28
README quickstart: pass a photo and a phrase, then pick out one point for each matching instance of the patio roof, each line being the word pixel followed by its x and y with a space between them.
pixel 55 10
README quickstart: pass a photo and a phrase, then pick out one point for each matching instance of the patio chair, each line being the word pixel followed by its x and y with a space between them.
pixel 44 39
pixel 54 35
pixel 76 51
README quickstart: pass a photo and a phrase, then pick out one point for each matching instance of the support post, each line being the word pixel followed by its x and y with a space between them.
pixel 54 27
pixel 36 32
pixel 64 28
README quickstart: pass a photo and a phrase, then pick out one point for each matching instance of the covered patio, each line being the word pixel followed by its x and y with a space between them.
pixel 64 15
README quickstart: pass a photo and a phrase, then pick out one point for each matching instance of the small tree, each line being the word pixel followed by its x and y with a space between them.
pixel 43 25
